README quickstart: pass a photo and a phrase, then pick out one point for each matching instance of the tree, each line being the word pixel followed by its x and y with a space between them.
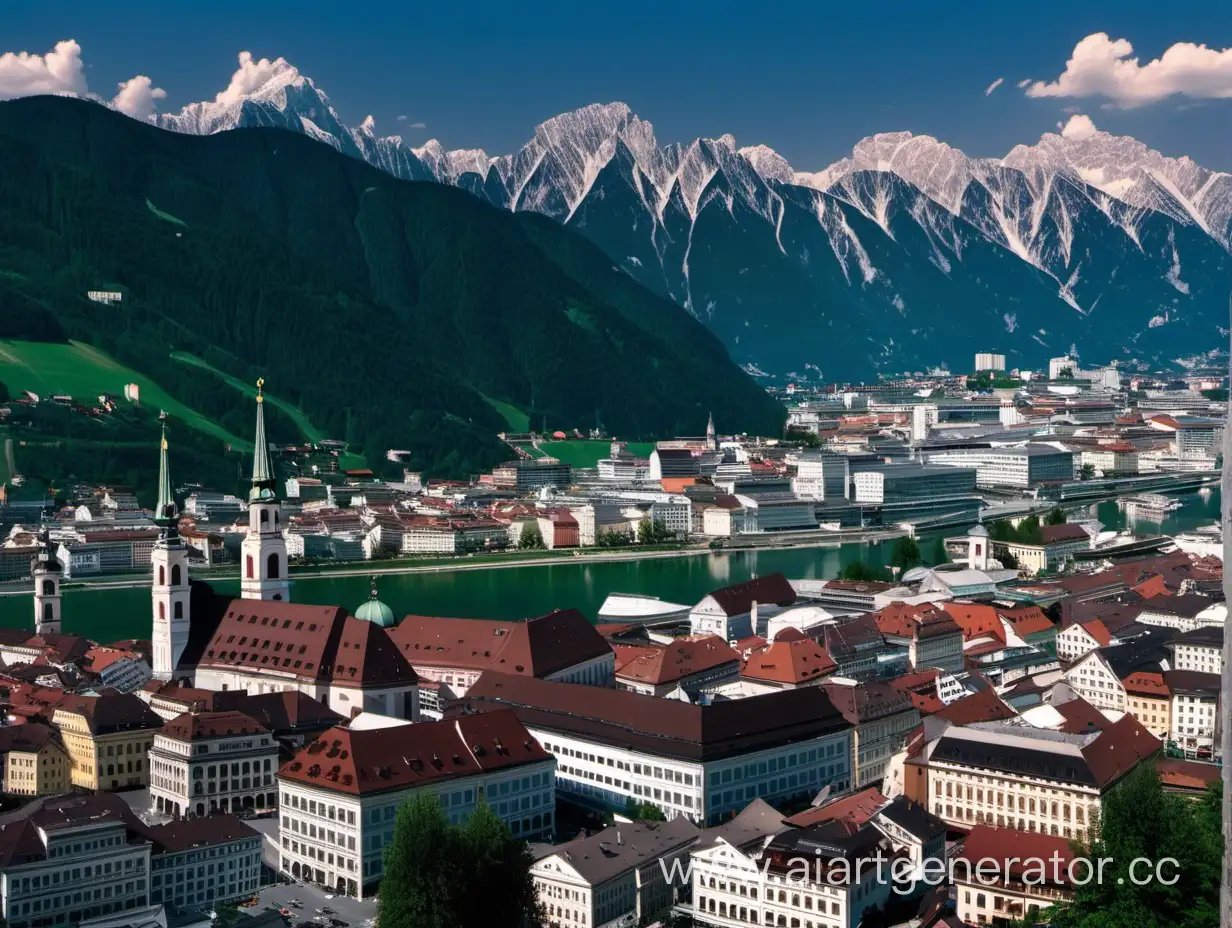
pixel 1086 472
pixel 654 532
pixel 640 811
pixel 1028 531
pixel 940 554
pixel 1056 516
pixel 905 554
pixel 1140 820
pixel 531 538
pixel 864 573
pixel 1008 561
pixel 613 539
pixel 805 437
pixel 439 875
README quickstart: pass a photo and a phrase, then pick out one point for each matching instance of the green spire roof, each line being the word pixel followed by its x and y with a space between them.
pixel 375 611
pixel 262 472
pixel 165 512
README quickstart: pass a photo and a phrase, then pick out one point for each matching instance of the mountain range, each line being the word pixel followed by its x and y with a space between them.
pixel 906 254
pixel 395 315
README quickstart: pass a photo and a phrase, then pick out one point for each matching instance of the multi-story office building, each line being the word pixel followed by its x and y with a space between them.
pixel 339 796
pixel 1024 467
pixel 1012 776
pixel 107 738
pixel 203 862
pixel 213 761
pixel 66 860
pixel 614 877
pixel 703 762
pixel 989 361
pixel 532 474
pixel 903 483
pixel 822 475
pixel 672 463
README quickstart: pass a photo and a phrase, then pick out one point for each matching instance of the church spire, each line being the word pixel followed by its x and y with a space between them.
pixel 262 473
pixel 165 513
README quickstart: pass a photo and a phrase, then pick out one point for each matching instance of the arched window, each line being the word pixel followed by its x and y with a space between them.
pixel 175 574
pixel 264 517
pixel 162 575
pixel 177 610
pixel 271 567
pixel 162 610
pixel 248 569
pixel 49 588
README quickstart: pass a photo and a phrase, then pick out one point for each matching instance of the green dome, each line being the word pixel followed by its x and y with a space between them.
pixel 376 611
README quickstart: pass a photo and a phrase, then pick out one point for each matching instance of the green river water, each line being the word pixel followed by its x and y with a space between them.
pixel 514 593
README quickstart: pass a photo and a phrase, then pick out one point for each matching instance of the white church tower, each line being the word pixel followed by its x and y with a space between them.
pixel 47 572
pixel 170 593
pixel 263 554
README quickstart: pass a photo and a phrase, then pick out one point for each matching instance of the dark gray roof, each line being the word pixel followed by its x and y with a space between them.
pixel 1209 636
pixel 622 847
pixel 914 818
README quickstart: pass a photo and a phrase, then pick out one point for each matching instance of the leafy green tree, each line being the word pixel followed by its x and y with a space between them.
pixel 804 436
pixel 613 539
pixel 940 554
pixel 905 554
pixel 439 875
pixel 654 532
pixel 1008 561
pixel 1029 532
pixel 531 538
pixel 640 811
pixel 1056 516
pixel 864 573
pixel 1086 472
pixel 1140 820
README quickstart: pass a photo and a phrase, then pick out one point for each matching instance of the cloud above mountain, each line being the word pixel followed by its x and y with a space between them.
pixel 1101 66
pixel 62 70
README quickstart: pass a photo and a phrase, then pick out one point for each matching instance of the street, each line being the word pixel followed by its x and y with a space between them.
pixel 357 914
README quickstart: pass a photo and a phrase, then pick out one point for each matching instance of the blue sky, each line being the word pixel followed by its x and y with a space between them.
pixel 807 79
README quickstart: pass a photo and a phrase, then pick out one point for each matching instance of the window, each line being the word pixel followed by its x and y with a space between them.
pixel 271 569
pixel 175 574
pixel 248 567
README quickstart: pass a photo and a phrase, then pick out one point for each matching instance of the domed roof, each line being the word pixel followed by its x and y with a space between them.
pixel 376 611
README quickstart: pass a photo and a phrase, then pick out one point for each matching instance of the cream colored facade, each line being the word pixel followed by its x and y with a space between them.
pixel 1154 712
pixel 41 772
pixel 1000 902
pixel 875 742
pixel 104 762
pixel 1075 642
pixel 966 796
pixel 1093 680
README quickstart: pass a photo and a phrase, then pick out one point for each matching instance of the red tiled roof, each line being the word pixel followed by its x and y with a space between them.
pixel 1145 683
pixel 1151 587
pixel 789 662
pixel 981 706
pixel 976 620
pixel 1015 853
pixel 189 727
pixel 855 809
pixel 1055 534
pixel 682 658
pixel 739 598
pixel 1029 620
pixel 1186 774
pixel 379 760
pixel 1119 749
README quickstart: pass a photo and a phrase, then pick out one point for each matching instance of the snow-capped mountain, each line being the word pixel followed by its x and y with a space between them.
pixel 904 254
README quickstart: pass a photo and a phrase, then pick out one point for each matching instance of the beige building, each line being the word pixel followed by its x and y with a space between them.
pixel 881 716
pixel 1149 700
pixel 1007 889
pixel 108 738
pixel 1005 775
pixel 35 761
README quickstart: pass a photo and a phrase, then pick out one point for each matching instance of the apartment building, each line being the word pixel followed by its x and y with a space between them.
pixel 1199 650
pixel 703 762
pixel 339 796
pixel 1148 699
pixel 736 611
pixel 1098 676
pixel 931 636
pixel 881 718
pixel 213 762
pixel 35 760
pixel 1008 891
pixel 614 877
pixel 687 663
pixel 1009 775
pixel 203 862
pixel 1059 544
pixel 1195 712
pixel 107 738
pixel 1183 612
pixel 69 859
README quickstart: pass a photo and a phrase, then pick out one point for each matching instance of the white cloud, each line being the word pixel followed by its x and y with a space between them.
pixel 1101 66
pixel 402 118
pixel 993 86
pixel 59 71
pixel 252 76
pixel 136 97
pixel 1024 82
pixel 1077 128
pixel 417 125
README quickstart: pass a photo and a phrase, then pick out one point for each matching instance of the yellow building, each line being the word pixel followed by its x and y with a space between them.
pixel 1149 700
pixel 108 738
pixel 34 760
